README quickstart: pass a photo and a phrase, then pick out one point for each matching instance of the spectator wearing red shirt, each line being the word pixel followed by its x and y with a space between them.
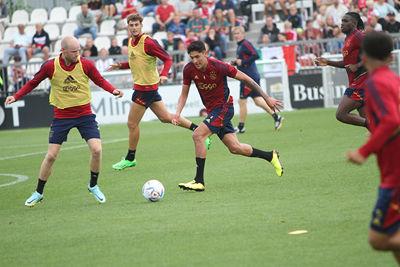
pixel 129 8
pixel 164 15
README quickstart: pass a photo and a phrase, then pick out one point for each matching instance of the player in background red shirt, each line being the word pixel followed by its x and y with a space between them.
pixel 210 77
pixel 383 112
pixel 354 95
pixel 70 96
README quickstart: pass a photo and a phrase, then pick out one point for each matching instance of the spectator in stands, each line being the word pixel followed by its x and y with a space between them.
pixel 191 37
pixel 327 31
pixel 320 18
pixel 270 29
pixel 109 7
pixel 90 45
pixel 291 35
pixel 179 59
pixel 102 64
pixel 183 9
pixel 295 18
pixel 18 74
pixel 228 10
pixel 19 45
pixel 198 25
pixel 95 7
pixel 321 3
pixel 311 33
pixel 271 3
pixel 40 42
pixel 86 22
pixel 148 7
pixel 374 23
pixel 129 8
pixel 114 49
pixel 392 26
pixel 164 15
pixel 177 27
pixel 3 17
pixel 368 28
pixel 87 53
pixel 221 26
pixel 171 43
pixel 215 44
pixel 124 50
pixel 3 79
pixel 206 10
pixel 337 11
pixel 384 8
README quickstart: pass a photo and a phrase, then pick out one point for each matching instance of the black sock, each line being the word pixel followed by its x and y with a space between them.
pixel 193 126
pixel 131 155
pixel 241 125
pixel 200 170
pixel 40 186
pixel 93 178
pixel 267 155
pixel 275 116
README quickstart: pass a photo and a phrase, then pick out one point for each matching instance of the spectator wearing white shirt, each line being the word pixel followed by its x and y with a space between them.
pixel 183 9
pixel 103 63
pixel 384 8
pixel 86 22
pixel 18 45
pixel 337 11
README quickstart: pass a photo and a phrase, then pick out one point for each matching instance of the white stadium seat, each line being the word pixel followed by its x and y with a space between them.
pixel 53 30
pixel 148 24
pixel 57 48
pixel 58 15
pixel 73 12
pixel 39 15
pixel 30 30
pixel 102 42
pixel 9 33
pixel 159 36
pixel 82 40
pixel 107 27
pixel 68 29
pixel 120 38
pixel 20 17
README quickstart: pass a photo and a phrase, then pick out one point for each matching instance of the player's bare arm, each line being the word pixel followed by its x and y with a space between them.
pixel 115 66
pixel 355 157
pixel 272 102
pixel 10 100
pixel 181 103
pixel 118 93
pixel 321 61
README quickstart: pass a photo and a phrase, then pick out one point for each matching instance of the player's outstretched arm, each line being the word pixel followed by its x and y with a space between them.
pixel 321 61
pixel 181 103
pixel 272 102
pixel 115 66
pixel 355 156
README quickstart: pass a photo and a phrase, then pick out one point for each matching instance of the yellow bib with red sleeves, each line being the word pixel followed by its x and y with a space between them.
pixel 143 67
pixel 69 88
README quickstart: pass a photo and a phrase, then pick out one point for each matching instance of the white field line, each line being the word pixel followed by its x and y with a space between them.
pixel 62 149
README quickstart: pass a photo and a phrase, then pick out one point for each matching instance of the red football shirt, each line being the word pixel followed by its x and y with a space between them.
pixel 383 103
pixel 212 83
pixel 352 54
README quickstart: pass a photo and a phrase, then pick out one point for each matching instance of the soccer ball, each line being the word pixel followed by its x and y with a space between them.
pixel 153 190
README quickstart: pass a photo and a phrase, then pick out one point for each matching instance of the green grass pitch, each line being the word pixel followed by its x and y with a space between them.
pixel 242 219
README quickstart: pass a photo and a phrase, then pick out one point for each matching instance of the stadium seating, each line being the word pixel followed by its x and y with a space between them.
pixel 20 17
pixel 68 28
pixel 107 28
pixel 120 38
pixel 57 48
pixel 159 36
pixel 58 15
pixel 257 13
pixel 102 42
pixel 53 30
pixel 39 15
pixel 8 33
pixel 73 12
pixel 148 24
pixel 30 30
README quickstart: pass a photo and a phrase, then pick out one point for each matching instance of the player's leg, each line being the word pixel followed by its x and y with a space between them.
pixel 346 106
pixel 260 102
pixel 95 164
pixel 135 115
pixel 199 136
pixel 242 115
pixel 165 116
pixel 235 147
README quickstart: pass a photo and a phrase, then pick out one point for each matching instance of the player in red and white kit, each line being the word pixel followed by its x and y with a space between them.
pixel 383 112
pixel 210 77
pixel 70 95
pixel 354 95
